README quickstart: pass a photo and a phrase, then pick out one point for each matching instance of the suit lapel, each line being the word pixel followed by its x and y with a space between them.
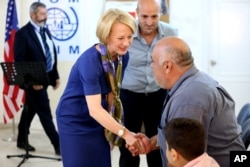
pixel 34 36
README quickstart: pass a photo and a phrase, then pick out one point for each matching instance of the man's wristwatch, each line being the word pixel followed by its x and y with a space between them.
pixel 121 132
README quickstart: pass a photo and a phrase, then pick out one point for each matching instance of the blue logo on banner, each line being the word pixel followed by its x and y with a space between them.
pixel 61 24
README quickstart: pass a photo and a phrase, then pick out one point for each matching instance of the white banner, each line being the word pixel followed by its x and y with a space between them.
pixel 72 24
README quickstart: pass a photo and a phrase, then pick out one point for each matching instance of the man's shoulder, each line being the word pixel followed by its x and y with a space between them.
pixel 166 25
pixel 168 28
pixel 26 27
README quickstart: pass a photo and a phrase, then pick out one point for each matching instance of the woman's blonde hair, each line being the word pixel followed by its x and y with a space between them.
pixel 107 20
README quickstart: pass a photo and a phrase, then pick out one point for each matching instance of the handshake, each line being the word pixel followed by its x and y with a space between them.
pixel 139 143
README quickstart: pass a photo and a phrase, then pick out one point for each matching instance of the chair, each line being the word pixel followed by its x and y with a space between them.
pixel 244 114
pixel 243 120
pixel 246 132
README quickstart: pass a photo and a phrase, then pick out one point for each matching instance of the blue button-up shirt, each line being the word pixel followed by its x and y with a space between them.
pixel 138 76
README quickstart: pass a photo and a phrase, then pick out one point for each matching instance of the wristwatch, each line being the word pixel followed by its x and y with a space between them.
pixel 121 131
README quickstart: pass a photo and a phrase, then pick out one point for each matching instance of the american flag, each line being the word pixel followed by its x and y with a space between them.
pixel 13 96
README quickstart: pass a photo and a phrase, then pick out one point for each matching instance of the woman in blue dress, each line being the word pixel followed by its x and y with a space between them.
pixel 82 113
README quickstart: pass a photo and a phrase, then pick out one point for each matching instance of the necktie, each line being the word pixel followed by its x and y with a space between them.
pixel 47 51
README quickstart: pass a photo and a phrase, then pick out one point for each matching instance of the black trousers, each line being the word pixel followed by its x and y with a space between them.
pixel 141 108
pixel 37 102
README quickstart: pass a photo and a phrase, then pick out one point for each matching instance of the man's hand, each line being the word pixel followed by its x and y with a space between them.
pixel 37 87
pixel 57 84
pixel 143 146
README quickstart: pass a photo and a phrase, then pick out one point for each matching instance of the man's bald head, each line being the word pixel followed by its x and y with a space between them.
pixel 148 3
pixel 176 49
pixel 171 58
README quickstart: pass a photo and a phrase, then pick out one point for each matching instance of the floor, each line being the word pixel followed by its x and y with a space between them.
pixel 43 147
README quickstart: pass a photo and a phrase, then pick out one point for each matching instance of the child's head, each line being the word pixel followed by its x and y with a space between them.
pixel 185 139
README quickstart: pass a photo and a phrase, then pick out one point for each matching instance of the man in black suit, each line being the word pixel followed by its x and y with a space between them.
pixel 31 45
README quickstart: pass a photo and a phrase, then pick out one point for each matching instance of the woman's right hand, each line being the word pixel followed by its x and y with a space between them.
pixel 134 143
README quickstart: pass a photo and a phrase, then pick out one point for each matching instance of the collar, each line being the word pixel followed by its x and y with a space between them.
pixel 36 27
pixel 192 71
pixel 196 160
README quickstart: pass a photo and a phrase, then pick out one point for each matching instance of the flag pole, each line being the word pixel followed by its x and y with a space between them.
pixel 13 136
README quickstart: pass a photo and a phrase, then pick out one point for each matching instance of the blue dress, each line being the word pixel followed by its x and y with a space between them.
pixel 82 139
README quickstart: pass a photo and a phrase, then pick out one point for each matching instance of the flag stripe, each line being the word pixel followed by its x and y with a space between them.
pixel 8 112
pixel 13 96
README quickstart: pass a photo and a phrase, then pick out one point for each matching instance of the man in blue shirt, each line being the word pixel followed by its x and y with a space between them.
pixel 141 97
pixel 193 94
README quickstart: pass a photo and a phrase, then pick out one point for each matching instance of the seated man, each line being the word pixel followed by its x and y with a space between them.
pixel 185 140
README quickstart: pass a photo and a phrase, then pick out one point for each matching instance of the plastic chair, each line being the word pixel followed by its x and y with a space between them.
pixel 246 132
pixel 244 114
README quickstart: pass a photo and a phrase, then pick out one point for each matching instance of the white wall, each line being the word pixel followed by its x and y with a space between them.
pixel 218 34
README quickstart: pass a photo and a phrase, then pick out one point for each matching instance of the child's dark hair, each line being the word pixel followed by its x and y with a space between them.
pixel 186 136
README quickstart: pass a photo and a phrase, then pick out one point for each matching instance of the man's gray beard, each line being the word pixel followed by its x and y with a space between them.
pixel 42 24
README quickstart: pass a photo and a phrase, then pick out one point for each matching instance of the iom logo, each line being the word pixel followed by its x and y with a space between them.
pixel 62 25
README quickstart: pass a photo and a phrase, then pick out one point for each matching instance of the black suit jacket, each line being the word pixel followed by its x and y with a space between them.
pixel 27 48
